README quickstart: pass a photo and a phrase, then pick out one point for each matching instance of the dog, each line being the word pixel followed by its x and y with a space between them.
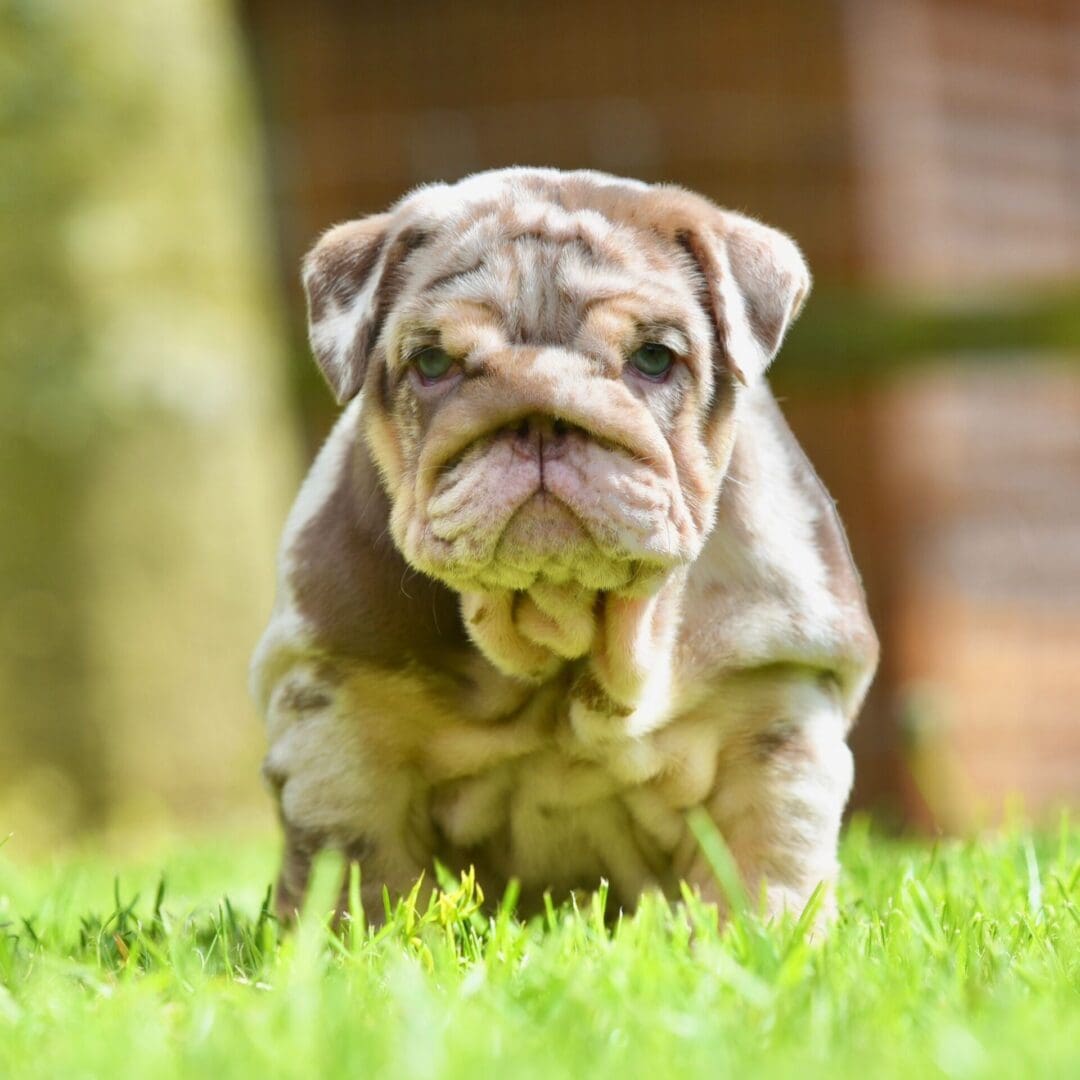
pixel 561 573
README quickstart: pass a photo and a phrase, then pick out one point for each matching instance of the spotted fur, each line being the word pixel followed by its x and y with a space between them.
pixel 531 614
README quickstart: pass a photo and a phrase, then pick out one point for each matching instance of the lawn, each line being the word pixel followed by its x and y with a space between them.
pixel 954 959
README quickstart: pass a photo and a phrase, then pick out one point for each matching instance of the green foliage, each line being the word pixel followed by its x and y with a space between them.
pixel 852 336
pixel 147 450
pixel 961 959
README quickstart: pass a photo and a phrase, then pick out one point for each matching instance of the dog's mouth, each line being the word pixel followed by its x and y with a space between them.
pixel 548 503
pixel 545 523
pixel 551 541
pixel 543 530
pixel 545 540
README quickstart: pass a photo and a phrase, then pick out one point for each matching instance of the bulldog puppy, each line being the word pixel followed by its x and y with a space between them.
pixel 561 572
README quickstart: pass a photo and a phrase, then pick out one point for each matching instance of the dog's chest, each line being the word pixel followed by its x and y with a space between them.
pixel 521 795
pixel 472 769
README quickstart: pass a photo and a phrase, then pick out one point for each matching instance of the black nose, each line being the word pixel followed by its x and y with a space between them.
pixel 547 428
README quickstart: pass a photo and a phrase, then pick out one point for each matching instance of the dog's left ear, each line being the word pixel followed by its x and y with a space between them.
pixel 757 282
pixel 351 277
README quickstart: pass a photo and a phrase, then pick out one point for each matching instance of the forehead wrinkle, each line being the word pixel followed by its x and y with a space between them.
pixel 472 330
pixel 587 282
pixel 489 284
pixel 535 303
pixel 621 320
pixel 463 247
pixel 437 283
pixel 643 299
pixel 540 274
pixel 540 216
pixel 457 324
pixel 603 239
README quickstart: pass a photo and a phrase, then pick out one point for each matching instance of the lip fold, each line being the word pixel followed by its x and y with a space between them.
pixel 604 410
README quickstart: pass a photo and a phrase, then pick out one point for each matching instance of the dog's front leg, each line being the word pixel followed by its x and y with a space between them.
pixel 782 782
pixel 335 789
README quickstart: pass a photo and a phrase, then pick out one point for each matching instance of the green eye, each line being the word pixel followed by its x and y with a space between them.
pixel 433 363
pixel 652 360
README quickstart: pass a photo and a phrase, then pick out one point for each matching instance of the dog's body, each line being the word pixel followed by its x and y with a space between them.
pixel 539 598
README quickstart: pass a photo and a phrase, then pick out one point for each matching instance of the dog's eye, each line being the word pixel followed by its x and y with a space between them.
pixel 433 363
pixel 652 360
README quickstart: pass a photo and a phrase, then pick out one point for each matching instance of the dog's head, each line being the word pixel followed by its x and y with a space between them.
pixel 550 365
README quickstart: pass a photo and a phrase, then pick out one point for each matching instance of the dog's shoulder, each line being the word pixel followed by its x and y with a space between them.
pixel 776 582
pixel 344 590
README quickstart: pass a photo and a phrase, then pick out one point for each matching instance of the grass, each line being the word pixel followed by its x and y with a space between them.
pixel 958 959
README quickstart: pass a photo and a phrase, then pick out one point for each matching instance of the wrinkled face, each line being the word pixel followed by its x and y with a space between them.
pixel 543 421
pixel 549 363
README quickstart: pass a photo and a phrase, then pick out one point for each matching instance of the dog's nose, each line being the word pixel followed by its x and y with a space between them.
pixel 542 429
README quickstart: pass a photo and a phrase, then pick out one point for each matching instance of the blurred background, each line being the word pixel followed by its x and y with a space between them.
pixel 164 166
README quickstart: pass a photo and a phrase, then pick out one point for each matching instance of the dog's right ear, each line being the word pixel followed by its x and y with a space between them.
pixel 351 277
pixel 757 282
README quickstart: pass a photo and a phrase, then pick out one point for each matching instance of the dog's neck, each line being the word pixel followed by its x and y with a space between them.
pixel 618 642
pixel 618 647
